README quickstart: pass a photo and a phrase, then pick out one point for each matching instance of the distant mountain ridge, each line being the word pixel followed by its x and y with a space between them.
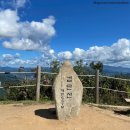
pixel 115 70
pixel 11 69
pixel 106 69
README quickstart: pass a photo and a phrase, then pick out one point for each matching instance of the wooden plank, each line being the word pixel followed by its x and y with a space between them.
pixel 22 86
pixel 38 83
pixel 46 85
pixel 97 87
pixel 114 78
pixel 17 72
pixel 86 75
pixel 114 90
pixel 48 73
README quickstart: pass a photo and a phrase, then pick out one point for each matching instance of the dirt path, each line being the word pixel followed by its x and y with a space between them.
pixel 40 117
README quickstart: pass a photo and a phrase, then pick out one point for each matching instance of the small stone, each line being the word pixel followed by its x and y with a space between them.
pixel 68 91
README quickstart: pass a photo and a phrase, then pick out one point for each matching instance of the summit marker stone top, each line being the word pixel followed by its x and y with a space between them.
pixel 68 91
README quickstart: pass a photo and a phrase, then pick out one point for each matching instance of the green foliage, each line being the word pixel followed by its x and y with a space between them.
pixel 23 93
pixel 21 69
pixel 79 67
pixel 98 65
pixel 2 93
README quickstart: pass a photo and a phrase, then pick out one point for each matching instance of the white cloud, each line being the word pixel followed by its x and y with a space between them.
pixel 25 35
pixel 22 44
pixel 17 55
pixel 96 53
pixel 51 51
pixel 118 54
pixel 8 23
pixel 121 50
pixel 65 55
pixel 16 4
pixel 7 57
pixel 79 53
pixel 19 3
pixel 16 60
pixel 20 62
pixel 10 57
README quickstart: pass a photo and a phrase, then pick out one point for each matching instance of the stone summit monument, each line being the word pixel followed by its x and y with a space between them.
pixel 68 91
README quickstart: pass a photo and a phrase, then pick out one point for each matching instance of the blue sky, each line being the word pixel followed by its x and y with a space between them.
pixel 71 30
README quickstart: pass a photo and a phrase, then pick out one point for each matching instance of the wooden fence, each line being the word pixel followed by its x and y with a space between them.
pixel 38 82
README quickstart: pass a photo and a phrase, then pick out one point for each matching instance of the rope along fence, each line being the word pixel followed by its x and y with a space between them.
pixel 97 88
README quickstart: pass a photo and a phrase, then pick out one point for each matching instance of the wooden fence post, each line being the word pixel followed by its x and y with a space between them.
pixel 38 83
pixel 97 86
